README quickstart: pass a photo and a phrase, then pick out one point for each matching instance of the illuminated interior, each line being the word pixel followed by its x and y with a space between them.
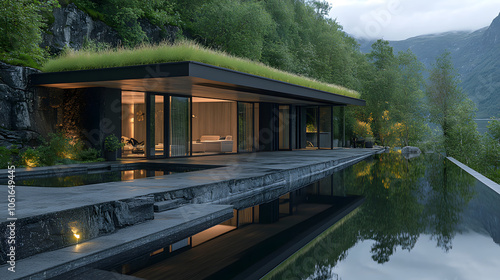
pixel 133 124
pixel 214 126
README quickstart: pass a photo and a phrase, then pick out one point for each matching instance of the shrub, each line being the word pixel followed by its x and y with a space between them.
pixel 31 158
pixel 5 157
pixel 112 143
pixel 89 154
pixel 363 129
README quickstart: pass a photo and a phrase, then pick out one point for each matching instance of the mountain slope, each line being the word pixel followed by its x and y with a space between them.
pixel 476 56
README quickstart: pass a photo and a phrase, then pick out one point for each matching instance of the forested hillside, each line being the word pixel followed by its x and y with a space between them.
pixel 474 56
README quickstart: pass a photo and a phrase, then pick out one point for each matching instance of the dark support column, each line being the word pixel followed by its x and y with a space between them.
pixel 343 127
pixel 293 128
pixel 269 212
pixel 331 127
pixel 268 127
pixel 302 128
pixel 318 123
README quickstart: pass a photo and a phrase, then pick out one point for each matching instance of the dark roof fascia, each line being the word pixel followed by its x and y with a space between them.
pixel 160 70
pixel 206 71
pixel 193 69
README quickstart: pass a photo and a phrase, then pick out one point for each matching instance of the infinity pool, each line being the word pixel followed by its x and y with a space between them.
pixel 123 173
pixel 423 218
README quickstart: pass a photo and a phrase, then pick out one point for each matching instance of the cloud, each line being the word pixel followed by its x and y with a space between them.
pixel 399 19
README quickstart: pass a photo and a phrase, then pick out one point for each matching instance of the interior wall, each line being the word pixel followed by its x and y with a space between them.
pixel 214 118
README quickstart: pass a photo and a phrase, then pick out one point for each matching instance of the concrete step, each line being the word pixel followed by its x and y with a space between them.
pixel 167 228
pixel 168 204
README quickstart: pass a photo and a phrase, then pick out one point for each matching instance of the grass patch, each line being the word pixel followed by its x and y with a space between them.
pixel 18 59
pixel 182 51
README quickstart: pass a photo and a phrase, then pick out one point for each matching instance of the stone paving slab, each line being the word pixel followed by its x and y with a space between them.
pixel 167 228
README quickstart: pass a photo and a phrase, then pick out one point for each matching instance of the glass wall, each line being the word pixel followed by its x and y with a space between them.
pixel 325 127
pixel 311 127
pixel 156 130
pixel 133 124
pixel 215 125
pixel 180 126
pixel 338 126
pixel 284 127
pixel 245 127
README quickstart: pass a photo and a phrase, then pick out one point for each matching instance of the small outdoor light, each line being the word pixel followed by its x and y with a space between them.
pixel 77 236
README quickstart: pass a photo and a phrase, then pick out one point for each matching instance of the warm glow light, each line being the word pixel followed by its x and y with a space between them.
pixel 77 235
pixel 131 120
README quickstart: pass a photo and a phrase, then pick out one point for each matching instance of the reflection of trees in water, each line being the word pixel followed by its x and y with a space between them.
pixel 450 192
pixel 404 198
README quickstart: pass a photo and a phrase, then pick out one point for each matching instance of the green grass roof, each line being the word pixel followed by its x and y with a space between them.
pixel 184 51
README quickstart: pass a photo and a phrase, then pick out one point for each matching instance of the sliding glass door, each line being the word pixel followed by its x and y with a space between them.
pixel 180 126
pixel 156 126
pixel 325 127
pixel 245 127
pixel 284 127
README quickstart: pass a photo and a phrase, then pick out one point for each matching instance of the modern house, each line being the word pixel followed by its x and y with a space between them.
pixel 190 108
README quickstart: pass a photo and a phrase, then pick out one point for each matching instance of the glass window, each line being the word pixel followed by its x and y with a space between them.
pixel 325 127
pixel 156 113
pixel 338 126
pixel 133 124
pixel 284 127
pixel 311 127
pixel 214 126
pixel 179 126
pixel 245 127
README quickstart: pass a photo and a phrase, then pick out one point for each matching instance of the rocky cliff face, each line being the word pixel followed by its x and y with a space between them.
pixel 73 26
pixel 16 104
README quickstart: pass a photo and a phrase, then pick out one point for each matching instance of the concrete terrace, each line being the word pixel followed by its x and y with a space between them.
pixel 33 201
pixel 120 214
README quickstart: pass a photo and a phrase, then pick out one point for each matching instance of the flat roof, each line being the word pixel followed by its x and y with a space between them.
pixel 191 78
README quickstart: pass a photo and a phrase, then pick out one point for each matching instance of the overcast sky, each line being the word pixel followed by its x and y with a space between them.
pixel 402 19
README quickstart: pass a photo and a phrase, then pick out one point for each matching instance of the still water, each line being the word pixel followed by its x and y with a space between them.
pixel 423 218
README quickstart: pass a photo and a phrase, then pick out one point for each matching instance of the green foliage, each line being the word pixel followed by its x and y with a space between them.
pixel 161 12
pixel 57 149
pixel 488 160
pixel 380 85
pixel 7 156
pixel 21 23
pixel 238 27
pixel 112 143
pixel 452 111
pixel 407 106
pixel 89 155
pixel 90 45
pixel 494 128
pixel 30 158
pixel 182 51
pixel 124 16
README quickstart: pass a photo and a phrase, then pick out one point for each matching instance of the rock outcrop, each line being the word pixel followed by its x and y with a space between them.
pixel 72 27
pixel 17 105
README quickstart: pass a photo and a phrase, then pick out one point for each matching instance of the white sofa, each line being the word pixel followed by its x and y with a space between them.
pixel 212 143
